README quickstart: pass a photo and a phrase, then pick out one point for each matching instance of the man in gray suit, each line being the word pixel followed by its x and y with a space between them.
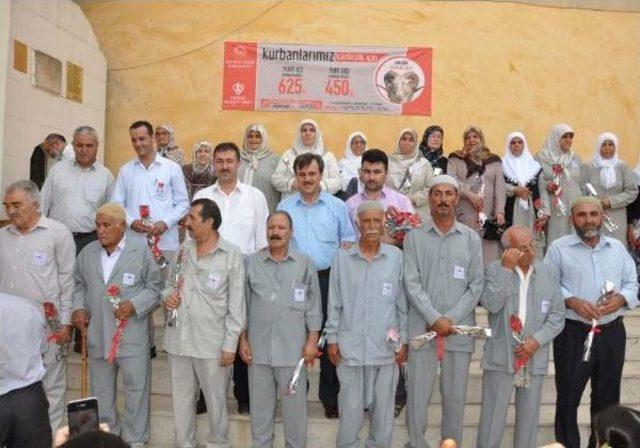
pixel 443 281
pixel 517 285
pixel 114 261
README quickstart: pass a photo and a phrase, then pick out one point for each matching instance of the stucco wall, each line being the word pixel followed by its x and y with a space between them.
pixel 60 29
pixel 502 66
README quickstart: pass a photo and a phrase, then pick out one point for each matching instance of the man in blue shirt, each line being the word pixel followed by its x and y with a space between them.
pixel 586 261
pixel 321 225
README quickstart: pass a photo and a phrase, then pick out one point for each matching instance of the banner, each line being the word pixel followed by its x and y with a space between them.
pixel 319 78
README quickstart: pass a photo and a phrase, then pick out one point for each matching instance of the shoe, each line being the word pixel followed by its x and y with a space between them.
pixel 331 411
pixel 77 345
pixel 153 353
pixel 201 405
pixel 244 408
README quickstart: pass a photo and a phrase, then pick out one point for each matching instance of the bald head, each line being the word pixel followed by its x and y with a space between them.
pixel 521 239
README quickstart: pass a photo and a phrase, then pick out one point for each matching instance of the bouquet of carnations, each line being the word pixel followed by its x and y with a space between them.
pixel 172 318
pixel 152 240
pixel 463 330
pixel 52 321
pixel 521 377
pixel 113 296
pixel 292 385
pixel 594 330
pixel 398 222
pixel 558 205
pixel 538 226
pixel 607 221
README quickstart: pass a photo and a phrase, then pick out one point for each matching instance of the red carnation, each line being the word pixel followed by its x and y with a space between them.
pixel 516 324
pixel 113 291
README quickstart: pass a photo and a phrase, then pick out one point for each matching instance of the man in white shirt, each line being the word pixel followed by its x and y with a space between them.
pixel 75 189
pixel 158 183
pixel 244 212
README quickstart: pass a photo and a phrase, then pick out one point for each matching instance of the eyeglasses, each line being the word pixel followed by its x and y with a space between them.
pixel 530 245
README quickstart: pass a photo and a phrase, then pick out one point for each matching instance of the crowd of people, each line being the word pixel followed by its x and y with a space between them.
pixel 262 263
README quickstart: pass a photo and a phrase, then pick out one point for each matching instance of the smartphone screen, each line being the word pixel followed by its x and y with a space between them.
pixel 83 416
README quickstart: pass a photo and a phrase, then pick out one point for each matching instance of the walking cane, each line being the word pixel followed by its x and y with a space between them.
pixel 84 388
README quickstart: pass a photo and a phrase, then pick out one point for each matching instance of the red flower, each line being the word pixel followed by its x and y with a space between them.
pixel 145 211
pixel 557 169
pixel 516 324
pixel 537 204
pixel 113 291
pixel 49 310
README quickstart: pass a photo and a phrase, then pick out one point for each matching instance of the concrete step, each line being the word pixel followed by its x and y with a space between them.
pixel 161 382
pixel 322 432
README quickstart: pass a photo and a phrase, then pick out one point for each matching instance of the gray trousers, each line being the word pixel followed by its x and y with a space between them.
pixel 136 378
pixel 54 384
pixel 188 375
pixel 496 392
pixel 265 385
pixel 371 387
pixel 454 373
pixel 166 275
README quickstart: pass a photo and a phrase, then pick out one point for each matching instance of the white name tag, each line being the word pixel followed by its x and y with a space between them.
pixel 544 306
pixel 299 294
pixel 128 279
pixel 213 281
pixel 387 289
pixel 458 272
pixel 40 258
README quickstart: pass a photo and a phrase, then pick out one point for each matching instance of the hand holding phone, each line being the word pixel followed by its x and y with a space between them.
pixel 83 416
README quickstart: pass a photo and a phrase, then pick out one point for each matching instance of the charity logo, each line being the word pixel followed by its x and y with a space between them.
pixel 238 88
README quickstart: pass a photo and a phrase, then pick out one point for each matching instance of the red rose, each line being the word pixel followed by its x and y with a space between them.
pixel 113 291
pixel 145 211
pixel 49 310
pixel 516 324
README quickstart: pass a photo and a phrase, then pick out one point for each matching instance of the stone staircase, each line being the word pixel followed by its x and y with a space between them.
pixel 322 432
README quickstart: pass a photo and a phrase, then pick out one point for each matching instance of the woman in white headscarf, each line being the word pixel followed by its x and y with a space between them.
pixel 613 180
pixel 410 172
pixel 521 174
pixel 166 144
pixel 560 172
pixel 258 163
pixel 199 173
pixel 350 163
pixel 308 139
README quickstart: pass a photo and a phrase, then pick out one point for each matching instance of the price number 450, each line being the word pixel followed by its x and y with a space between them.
pixel 337 87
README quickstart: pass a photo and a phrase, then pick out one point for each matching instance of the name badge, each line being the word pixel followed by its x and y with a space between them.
pixel 458 272
pixel 39 258
pixel 159 188
pixel 387 289
pixel 298 292
pixel 128 279
pixel 544 306
pixel 213 281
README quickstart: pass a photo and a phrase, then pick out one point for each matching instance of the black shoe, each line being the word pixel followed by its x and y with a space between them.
pixel 201 405
pixel 153 353
pixel 331 411
pixel 244 408
pixel 398 409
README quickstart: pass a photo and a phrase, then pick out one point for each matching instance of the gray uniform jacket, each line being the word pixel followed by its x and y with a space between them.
pixel 366 299
pixel 544 321
pixel 443 277
pixel 283 304
pixel 138 278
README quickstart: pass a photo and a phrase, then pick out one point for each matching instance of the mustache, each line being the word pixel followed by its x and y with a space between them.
pixel 275 238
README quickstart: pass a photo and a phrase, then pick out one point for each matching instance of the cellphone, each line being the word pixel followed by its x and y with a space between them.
pixel 83 416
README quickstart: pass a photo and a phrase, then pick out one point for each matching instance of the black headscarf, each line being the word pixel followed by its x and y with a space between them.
pixel 432 155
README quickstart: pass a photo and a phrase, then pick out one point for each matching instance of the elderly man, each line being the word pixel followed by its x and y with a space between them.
pixel 517 285
pixel 244 212
pixel 23 404
pixel 443 281
pixel 158 183
pixel 588 262
pixel 118 282
pixel 58 148
pixel 321 224
pixel 367 330
pixel 210 313
pixel 76 188
pixel 284 320
pixel 37 255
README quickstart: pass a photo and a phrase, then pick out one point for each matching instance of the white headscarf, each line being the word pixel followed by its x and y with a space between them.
pixel 519 169
pixel 397 154
pixel 350 164
pixel 172 135
pixel 253 157
pixel 607 166
pixel 197 169
pixel 551 151
pixel 318 146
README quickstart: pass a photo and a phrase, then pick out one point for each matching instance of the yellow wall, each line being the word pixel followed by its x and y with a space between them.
pixel 501 66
